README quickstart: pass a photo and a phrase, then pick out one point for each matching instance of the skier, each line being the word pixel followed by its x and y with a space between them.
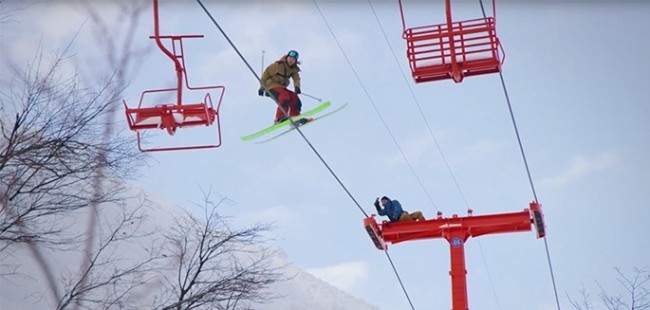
pixel 276 79
pixel 393 209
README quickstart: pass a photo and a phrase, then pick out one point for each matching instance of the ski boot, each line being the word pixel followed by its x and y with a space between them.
pixel 302 121
pixel 280 120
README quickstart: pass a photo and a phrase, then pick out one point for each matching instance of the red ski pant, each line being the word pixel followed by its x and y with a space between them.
pixel 289 102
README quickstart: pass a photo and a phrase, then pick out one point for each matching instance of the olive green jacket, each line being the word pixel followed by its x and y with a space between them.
pixel 278 73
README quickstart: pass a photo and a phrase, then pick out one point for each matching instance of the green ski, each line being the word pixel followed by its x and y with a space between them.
pixel 264 131
pixel 315 119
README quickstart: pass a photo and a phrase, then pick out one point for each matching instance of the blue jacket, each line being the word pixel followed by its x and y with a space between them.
pixel 393 210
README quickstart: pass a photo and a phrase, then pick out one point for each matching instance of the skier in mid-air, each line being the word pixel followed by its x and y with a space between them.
pixel 275 79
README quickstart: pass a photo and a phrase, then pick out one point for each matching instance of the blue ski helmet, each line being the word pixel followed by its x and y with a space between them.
pixel 293 54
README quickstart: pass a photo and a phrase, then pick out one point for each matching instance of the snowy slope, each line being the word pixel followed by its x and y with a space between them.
pixel 29 290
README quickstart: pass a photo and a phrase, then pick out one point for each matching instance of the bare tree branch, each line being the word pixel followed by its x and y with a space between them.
pixel 48 152
pixel 585 300
pixel 636 297
pixel 111 274
pixel 60 144
pixel 217 267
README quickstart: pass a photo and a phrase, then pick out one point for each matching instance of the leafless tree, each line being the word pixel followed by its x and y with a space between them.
pixel 6 14
pixel 635 297
pixel 217 267
pixel 115 277
pixel 55 140
pixel 57 145
pixel 48 152
pixel 584 303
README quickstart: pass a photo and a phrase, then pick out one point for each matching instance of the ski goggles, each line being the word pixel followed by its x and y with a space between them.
pixel 293 54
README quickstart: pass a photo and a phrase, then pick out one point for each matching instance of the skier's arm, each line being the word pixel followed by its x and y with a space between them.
pixel 296 79
pixel 265 76
pixel 397 209
pixel 380 211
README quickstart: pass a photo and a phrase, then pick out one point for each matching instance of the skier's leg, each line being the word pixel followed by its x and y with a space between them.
pixel 405 217
pixel 296 104
pixel 417 215
pixel 282 96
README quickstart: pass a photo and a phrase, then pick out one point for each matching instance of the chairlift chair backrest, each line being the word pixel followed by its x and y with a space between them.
pixel 454 49
pixel 170 116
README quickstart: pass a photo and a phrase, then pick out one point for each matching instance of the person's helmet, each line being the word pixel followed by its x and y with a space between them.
pixel 293 54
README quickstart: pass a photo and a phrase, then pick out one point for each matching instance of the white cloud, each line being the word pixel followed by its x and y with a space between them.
pixel 581 166
pixel 345 276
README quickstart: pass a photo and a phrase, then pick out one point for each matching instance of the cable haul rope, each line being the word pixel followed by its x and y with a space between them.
pixel 435 141
pixel 277 103
pixel 390 133
pixel 528 173
pixel 250 68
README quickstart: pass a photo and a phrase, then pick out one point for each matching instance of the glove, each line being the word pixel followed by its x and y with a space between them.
pixel 297 90
pixel 261 91
pixel 377 203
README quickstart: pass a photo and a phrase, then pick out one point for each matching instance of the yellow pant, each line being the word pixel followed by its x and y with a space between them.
pixel 415 216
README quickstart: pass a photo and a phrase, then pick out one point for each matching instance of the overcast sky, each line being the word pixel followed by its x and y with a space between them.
pixel 576 75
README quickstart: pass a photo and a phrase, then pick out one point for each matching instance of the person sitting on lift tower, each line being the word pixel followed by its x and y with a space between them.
pixel 393 209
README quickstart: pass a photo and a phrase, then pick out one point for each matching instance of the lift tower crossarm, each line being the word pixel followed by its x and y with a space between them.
pixel 456 230
pixel 471 226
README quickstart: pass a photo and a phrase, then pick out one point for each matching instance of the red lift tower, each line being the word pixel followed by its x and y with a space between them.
pixel 456 230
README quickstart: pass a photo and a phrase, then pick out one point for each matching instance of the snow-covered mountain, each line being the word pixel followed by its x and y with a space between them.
pixel 23 284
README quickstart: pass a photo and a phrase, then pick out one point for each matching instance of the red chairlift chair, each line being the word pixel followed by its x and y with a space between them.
pixel 454 49
pixel 171 116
